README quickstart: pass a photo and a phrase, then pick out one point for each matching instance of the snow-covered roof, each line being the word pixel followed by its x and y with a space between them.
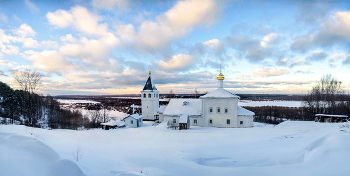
pixel 114 123
pixel 161 109
pixel 184 106
pixel 183 118
pixel 244 112
pixel 330 115
pixel 220 93
pixel 135 116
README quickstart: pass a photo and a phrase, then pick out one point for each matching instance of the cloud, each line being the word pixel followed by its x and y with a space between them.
pixel 109 4
pixel 29 43
pixel 249 47
pixel 7 63
pixel 265 72
pixel 347 60
pixel 95 54
pixel 79 18
pixel 68 38
pixel 316 56
pixel 49 44
pixel 2 73
pixel 335 29
pixel 178 62
pixel 32 7
pixel 173 24
pixel 49 61
pixel 213 44
pixel 283 61
pixel 9 49
pixel 336 56
pixel 3 17
pixel 270 39
pixel 25 31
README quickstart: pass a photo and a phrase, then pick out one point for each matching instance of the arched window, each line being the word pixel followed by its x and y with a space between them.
pixel 210 109
pixel 226 110
pixel 131 121
pixel 144 95
pixel 195 121
pixel 210 121
pixel 149 95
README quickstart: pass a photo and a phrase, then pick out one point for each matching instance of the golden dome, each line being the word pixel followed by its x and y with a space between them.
pixel 149 72
pixel 220 76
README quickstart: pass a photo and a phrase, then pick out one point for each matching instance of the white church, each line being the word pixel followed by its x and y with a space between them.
pixel 218 108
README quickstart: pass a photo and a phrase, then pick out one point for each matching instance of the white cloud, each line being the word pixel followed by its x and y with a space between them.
pixel 265 72
pixel 3 17
pixel 49 44
pixel 32 7
pixel 79 18
pixel 9 49
pixel 173 24
pixel 29 43
pixel 270 39
pixel 93 53
pixel 178 62
pixel 7 63
pixel 109 4
pixel 49 61
pixel 336 56
pixel 335 29
pixel 213 44
pixel 25 31
pixel 68 38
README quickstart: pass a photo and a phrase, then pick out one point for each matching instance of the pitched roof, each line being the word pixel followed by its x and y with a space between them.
pixel 220 93
pixel 149 84
pixel 244 112
pixel 135 116
pixel 184 106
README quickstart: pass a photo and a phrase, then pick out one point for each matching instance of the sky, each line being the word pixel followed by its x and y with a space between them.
pixel 108 46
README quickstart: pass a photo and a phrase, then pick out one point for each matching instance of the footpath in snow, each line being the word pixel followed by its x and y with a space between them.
pixel 291 148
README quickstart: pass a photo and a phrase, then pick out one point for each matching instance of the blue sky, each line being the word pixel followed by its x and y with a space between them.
pixel 108 46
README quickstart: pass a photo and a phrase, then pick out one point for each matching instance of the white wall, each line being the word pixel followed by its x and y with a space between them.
pixel 247 121
pixel 219 119
pixel 149 106
pixel 134 122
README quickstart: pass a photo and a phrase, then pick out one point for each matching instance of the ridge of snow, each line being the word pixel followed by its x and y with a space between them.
pixel 220 93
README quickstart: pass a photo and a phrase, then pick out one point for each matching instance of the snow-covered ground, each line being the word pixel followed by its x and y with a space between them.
pixel 69 101
pixel 289 149
pixel 271 103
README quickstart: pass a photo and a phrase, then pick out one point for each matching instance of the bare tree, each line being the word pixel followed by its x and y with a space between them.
pixel 28 80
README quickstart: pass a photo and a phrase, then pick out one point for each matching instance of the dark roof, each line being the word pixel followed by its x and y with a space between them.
pixel 149 85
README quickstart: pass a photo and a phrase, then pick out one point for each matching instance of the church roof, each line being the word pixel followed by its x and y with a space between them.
pixel 149 84
pixel 244 112
pixel 220 93
pixel 184 107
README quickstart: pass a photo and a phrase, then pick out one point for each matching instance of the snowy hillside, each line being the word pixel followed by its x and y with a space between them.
pixel 291 148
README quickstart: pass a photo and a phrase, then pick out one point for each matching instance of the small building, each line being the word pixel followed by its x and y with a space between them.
pixel 184 122
pixel 112 124
pixel 134 120
pixel 331 118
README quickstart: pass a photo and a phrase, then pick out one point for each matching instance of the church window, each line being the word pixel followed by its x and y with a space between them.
pixel 218 110
pixel 174 120
pixel 226 110
pixel 131 121
pixel 228 121
pixel 195 121
pixel 144 95
pixel 241 122
pixel 210 109
pixel 149 95
pixel 210 121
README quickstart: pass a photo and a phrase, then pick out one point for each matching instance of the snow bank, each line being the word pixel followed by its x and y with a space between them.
pixel 26 155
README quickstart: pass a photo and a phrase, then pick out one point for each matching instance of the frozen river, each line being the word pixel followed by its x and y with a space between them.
pixel 271 103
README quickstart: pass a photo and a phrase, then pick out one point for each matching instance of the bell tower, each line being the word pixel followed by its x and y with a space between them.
pixel 149 100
